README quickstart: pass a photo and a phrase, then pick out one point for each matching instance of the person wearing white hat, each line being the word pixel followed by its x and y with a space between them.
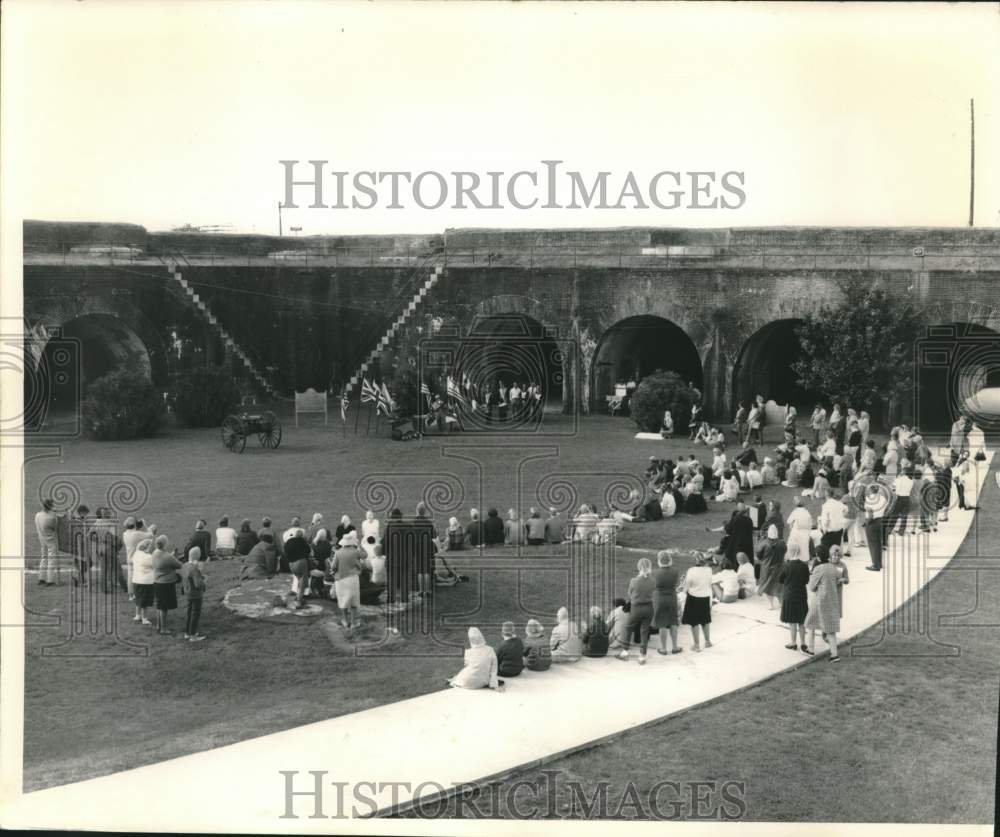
pixel 481 667
pixel 346 565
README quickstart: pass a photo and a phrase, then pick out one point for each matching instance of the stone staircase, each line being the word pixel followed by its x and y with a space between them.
pixel 397 324
pixel 231 345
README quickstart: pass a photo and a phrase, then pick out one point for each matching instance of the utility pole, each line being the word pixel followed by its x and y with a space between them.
pixel 279 220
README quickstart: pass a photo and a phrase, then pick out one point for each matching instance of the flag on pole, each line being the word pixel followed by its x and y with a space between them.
pixel 383 403
pixel 454 392
pixel 369 392
pixel 425 390
pixel 345 405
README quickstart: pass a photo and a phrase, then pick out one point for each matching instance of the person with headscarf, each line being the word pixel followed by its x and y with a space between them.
pixel 565 643
pixel 454 535
pixel 143 579
pixel 246 538
pixel 537 654
pixel 165 580
pixel 768 474
pixel 346 565
pixel 771 557
pixel 510 652
pixel 262 562
pixel 824 614
pixel 481 667
pixel 694 500
pixel 800 524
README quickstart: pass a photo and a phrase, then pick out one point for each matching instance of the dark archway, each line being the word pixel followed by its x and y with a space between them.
pixel 638 346
pixel 86 348
pixel 954 362
pixel 764 367
pixel 514 347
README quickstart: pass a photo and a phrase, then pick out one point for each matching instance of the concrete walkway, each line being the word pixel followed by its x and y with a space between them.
pixel 453 736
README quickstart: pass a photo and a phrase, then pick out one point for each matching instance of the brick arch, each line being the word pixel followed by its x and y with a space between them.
pixel 964 311
pixel 517 304
pixel 64 311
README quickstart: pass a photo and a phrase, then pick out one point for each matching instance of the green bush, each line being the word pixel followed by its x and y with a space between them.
pixel 122 405
pixel 656 393
pixel 204 395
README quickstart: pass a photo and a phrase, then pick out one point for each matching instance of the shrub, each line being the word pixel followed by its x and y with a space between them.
pixel 656 393
pixel 204 395
pixel 122 405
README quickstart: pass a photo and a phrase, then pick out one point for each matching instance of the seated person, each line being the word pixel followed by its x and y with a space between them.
pixel 375 564
pixel 585 524
pixel 718 463
pixel 745 576
pixel 768 472
pixel 747 455
pixel 262 562
pixel 480 669
pixel 755 478
pixel 537 654
pixel 668 504
pixel 729 488
pixel 716 437
pixel 821 486
pixel 493 529
pixel 617 626
pixel 595 635
pixel 808 477
pixel 510 652
pixel 606 529
pixel 701 436
pixel 793 476
pixel 565 643
pixel 535 528
pixel 725 585
pixel 667 425
pixel 694 502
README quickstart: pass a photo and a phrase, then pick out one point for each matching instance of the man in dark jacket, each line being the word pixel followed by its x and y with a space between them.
pixel 510 652
pixel 739 533
pixel 493 529
pixel 474 531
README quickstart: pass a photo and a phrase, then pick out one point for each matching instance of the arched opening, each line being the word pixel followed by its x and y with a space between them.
pixel 638 346
pixel 956 362
pixel 513 348
pixel 86 348
pixel 764 367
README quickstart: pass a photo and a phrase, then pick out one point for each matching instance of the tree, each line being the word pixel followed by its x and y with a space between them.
pixel 656 393
pixel 859 351
pixel 122 405
pixel 204 395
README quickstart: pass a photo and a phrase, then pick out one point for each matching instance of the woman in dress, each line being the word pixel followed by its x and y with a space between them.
pixel 794 578
pixel 843 577
pixel 771 558
pixel 346 565
pixel 143 576
pixel 800 524
pixel 698 601
pixel 371 528
pixel 695 503
pixel 640 616
pixel 824 614
pixel 481 667
pixel 455 535
pixel 665 617
pixel 165 579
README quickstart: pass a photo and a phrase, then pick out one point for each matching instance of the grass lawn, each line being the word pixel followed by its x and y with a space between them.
pixel 254 677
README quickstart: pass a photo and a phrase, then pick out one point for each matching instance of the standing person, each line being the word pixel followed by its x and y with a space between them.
pixel 143 577
pixel 297 553
pixel 698 601
pixel 818 423
pixel 503 399
pixel 967 482
pixel 397 561
pixel 480 669
pixel 425 550
pixel 246 539
pixel 165 578
pixel 47 527
pixel 854 523
pixel 843 576
pixel 753 426
pixel 194 588
pixel 108 547
pixel 694 420
pixel 832 520
pixel 902 487
pixel 225 539
pixel 346 564
pixel 322 551
pixel 775 518
pixel 943 478
pixel 876 504
pixel 595 635
pixel 791 416
pixel 739 532
pixel 800 524
pixel 957 441
pixel 771 558
pixel 739 421
pixel 131 538
pixel 510 652
pixel 665 616
pixel 794 577
pixel 837 426
pixel 865 426
pixel 824 614
pixel 640 593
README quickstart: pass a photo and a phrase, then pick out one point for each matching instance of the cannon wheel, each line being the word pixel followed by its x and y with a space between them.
pixel 234 435
pixel 270 430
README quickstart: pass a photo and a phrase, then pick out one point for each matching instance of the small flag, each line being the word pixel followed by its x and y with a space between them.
pixel 369 392
pixel 453 392
pixel 345 405
pixel 383 403
pixel 425 390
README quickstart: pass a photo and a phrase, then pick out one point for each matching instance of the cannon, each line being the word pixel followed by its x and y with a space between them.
pixel 236 428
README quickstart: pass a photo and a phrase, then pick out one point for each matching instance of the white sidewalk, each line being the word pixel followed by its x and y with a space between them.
pixel 455 736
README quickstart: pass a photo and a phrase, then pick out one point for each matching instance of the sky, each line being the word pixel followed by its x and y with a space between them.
pixel 164 114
